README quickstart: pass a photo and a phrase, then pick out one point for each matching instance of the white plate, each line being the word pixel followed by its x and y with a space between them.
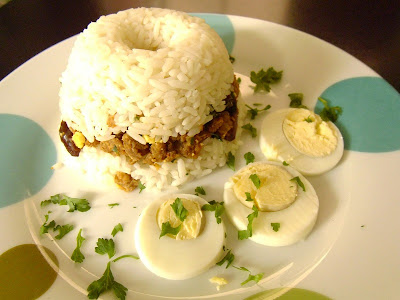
pixel 358 202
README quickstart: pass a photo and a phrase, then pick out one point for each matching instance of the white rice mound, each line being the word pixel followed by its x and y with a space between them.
pixel 155 73
pixel 145 71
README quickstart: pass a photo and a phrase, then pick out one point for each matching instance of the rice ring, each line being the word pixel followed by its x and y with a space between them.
pixel 149 72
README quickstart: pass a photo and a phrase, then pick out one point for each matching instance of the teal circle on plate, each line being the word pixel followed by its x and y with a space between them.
pixel 26 156
pixel 222 25
pixel 370 121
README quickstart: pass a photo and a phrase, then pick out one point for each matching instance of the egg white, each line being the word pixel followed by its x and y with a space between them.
pixel 275 146
pixel 296 221
pixel 178 259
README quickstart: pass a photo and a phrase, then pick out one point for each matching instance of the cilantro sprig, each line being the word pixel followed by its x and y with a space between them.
pixel 251 129
pixel 256 278
pixel 117 228
pixel 105 246
pixel 166 228
pixel 218 207
pixel 263 79
pixel 77 256
pixel 329 113
pixel 105 283
pixel 249 157
pixel 46 226
pixel 254 111
pixel 296 100
pixel 230 161
pixel 299 182
pixel 62 230
pixel 79 204
pixel 256 180
pixel 228 258
pixel 245 234
pixel 180 211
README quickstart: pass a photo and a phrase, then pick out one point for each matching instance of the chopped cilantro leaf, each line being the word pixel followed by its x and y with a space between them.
pixel 239 80
pixel 257 104
pixel 285 163
pixel 263 79
pixel 79 204
pixel 117 228
pixel 180 211
pixel 229 257
pixel 105 246
pixel 45 227
pixel 77 256
pixel 256 180
pixel 249 157
pixel 299 182
pixel 254 111
pixel 218 207
pixel 141 187
pixel 256 278
pixel 125 256
pixel 275 226
pixel 232 59
pixel 62 230
pixel 308 119
pixel 200 190
pixel 230 161
pixel 105 283
pixel 329 113
pixel 111 205
pixel 250 128
pixel 166 228
pixel 245 234
pixel 248 196
pixel 296 100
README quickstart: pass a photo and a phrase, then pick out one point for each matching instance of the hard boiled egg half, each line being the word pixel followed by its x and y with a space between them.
pixel 195 248
pixel 286 202
pixel 302 139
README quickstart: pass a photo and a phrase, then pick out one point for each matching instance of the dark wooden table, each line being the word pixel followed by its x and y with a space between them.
pixel 369 30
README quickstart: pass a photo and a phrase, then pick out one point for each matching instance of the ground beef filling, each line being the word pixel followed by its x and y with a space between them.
pixel 223 126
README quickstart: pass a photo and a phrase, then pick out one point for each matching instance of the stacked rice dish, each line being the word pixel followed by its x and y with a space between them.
pixel 149 95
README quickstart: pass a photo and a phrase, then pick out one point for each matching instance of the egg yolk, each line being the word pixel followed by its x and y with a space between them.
pixel 276 190
pixel 309 134
pixel 191 225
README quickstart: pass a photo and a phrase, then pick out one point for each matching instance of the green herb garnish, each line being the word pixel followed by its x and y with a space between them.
pixel 79 204
pixel 256 278
pixel 111 205
pixel 249 157
pixel 239 80
pixel 45 227
pixel 296 100
pixel 62 230
pixel 166 228
pixel 218 207
pixel 229 257
pixel 275 226
pixel 105 246
pixel 126 256
pixel 285 163
pixel 232 59
pixel 199 190
pixel 248 196
pixel 230 161
pixel 254 111
pixel 256 180
pixel 308 119
pixel 299 182
pixel 249 127
pixel 77 256
pixel 105 283
pixel 329 113
pixel 263 79
pixel 117 228
pixel 180 211
pixel 245 234
pixel 141 186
